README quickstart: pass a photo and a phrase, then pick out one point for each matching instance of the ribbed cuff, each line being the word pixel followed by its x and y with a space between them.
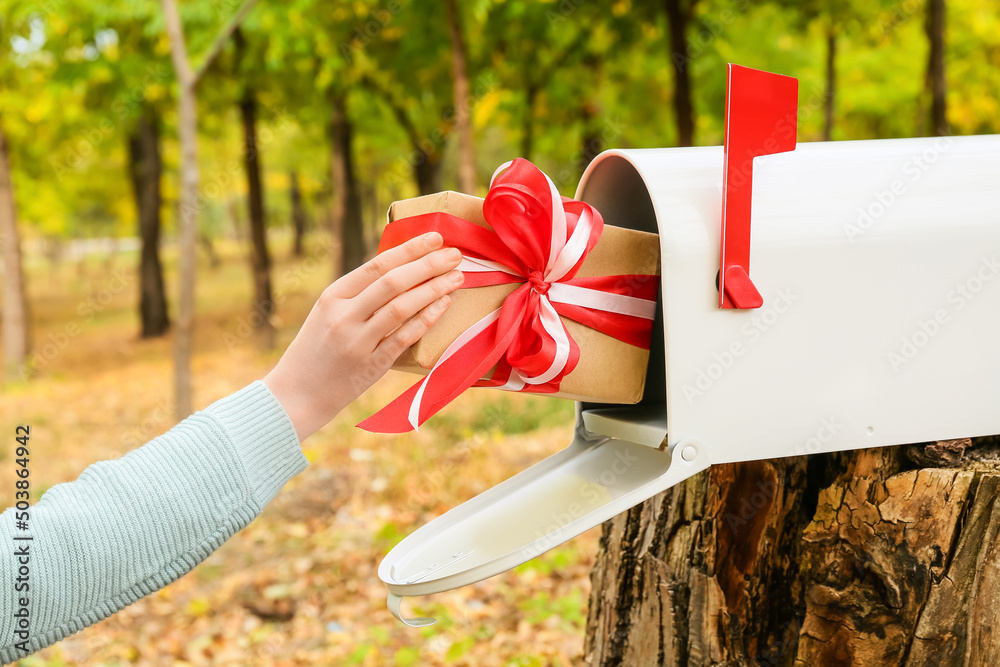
pixel 264 437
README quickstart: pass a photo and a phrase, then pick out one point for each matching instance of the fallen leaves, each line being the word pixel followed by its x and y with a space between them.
pixel 299 586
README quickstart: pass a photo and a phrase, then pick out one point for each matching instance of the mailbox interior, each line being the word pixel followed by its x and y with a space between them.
pixel 615 188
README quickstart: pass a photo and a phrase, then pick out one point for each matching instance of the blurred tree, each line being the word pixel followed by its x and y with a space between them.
pixel 113 50
pixel 16 342
pixel 411 70
pixel 326 45
pixel 936 82
pixel 146 168
pixel 15 315
pixel 537 44
pixel 463 99
pixel 347 217
pixel 679 13
pixel 298 214
pixel 187 111
pixel 834 17
pixel 134 92
pixel 260 259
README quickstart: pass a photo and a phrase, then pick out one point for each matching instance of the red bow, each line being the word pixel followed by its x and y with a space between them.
pixel 539 239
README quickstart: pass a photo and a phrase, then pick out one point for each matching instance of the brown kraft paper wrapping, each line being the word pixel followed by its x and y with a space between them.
pixel 609 371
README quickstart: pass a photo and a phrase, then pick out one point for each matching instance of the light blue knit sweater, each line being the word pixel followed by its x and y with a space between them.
pixel 131 526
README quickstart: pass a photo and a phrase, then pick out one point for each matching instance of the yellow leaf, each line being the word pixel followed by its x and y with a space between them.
pixel 198 607
pixel 485 108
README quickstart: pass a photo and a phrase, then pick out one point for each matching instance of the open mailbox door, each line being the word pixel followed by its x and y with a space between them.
pixel 877 264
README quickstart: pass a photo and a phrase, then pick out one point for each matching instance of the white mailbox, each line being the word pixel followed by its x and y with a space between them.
pixel 878 264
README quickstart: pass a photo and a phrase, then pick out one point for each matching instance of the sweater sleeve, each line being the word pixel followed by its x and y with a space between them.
pixel 130 526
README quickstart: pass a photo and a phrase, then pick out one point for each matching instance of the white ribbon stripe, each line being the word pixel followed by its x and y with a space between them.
pixel 598 300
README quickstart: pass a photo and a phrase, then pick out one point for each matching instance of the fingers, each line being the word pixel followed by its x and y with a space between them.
pixel 409 333
pixel 411 302
pixel 404 278
pixel 360 278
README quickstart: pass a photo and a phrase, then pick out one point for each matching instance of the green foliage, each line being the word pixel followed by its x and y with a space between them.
pixel 570 610
pixel 389 536
pixel 77 75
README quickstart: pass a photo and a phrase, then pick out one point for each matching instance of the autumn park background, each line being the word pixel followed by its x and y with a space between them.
pixel 169 211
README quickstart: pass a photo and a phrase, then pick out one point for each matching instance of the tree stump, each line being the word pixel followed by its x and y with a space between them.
pixel 883 556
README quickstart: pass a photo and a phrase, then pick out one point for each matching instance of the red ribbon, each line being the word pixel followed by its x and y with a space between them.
pixel 540 240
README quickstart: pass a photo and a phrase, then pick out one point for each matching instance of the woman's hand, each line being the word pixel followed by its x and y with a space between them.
pixel 359 326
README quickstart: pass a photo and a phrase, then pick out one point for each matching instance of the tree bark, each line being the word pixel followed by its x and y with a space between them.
pixel 146 167
pixel 590 139
pixel 463 101
pixel 831 80
pixel 528 124
pixel 884 556
pixel 262 308
pixel 936 82
pixel 427 173
pixel 16 327
pixel 425 157
pixel 348 224
pixel 187 131
pixel 678 17
pixel 298 215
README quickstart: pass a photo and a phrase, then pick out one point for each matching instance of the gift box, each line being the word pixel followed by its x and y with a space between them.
pixel 621 266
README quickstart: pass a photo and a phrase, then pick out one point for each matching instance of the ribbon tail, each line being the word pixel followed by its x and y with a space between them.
pixel 472 354
pixel 393 418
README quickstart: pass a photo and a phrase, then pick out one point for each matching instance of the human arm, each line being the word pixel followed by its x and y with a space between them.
pixel 128 527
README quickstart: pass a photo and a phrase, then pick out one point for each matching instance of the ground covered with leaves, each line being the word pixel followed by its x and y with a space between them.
pixel 299 586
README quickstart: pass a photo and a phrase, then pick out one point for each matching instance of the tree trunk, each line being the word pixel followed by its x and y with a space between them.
pixel 146 166
pixel 16 336
pixel 884 556
pixel 207 242
pixel 936 83
pixel 298 215
pixel 187 131
pixel 347 220
pixel 831 80
pixel 263 305
pixel 427 173
pixel 590 142
pixel 235 222
pixel 677 21
pixel 528 124
pixel 463 101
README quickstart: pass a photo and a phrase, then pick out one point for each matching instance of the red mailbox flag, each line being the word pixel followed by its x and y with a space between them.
pixel 761 119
